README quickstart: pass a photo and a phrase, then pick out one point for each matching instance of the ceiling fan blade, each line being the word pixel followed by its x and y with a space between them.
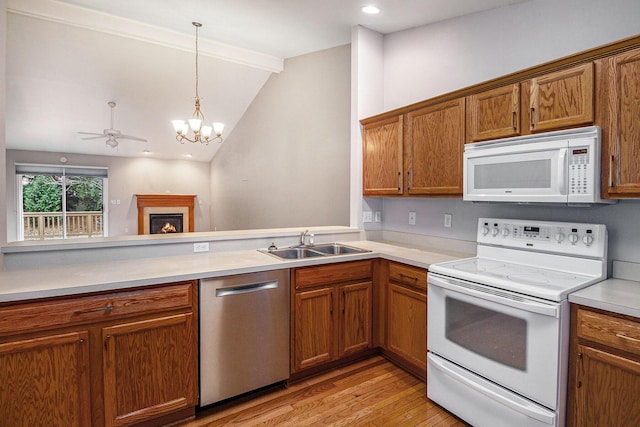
pixel 91 133
pixel 94 137
pixel 134 138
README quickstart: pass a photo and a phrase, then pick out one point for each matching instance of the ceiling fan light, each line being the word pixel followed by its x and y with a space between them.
pixel 371 9
pixel 218 128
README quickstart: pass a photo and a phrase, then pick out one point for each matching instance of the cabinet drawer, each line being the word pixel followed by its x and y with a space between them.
pixel 72 311
pixel 335 273
pixel 614 332
pixel 405 274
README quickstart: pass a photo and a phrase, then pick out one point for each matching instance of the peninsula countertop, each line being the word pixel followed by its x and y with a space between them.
pixel 55 281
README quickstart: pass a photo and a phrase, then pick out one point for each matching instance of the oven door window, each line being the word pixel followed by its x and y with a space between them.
pixel 474 328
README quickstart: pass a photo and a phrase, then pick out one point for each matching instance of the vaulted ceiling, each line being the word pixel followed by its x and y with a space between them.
pixel 66 59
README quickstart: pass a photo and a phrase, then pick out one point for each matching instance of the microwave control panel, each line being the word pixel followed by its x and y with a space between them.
pixel 561 237
pixel 581 168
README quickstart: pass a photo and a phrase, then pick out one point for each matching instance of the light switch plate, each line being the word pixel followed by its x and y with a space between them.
pixel 447 220
pixel 367 216
pixel 412 218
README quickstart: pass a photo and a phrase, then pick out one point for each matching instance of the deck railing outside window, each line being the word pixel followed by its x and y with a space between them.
pixel 49 225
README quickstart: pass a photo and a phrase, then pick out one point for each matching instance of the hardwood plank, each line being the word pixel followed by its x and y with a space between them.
pixel 372 392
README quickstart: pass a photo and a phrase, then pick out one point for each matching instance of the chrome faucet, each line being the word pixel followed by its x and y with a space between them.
pixel 302 237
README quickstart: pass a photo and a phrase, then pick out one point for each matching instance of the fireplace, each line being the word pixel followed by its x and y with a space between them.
pixel 171 209
pixel 165 223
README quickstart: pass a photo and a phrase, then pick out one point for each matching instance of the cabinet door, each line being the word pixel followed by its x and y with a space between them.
pixel 382 157
pixel 561 99
pixel 607 391
pixel 150 368
pixel 407 325
pixel 313 328
pixel 494 113
pixel 355 323
pixel 435 144
pixel 45 381
pixel 621 164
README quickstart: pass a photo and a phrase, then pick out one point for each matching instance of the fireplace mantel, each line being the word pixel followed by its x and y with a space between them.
pixel 153 203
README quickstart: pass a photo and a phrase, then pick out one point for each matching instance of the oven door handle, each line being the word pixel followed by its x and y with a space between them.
pixel 526 409
pixel 497 296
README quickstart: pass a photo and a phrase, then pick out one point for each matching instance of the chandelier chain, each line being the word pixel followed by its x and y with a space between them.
pixel 197 96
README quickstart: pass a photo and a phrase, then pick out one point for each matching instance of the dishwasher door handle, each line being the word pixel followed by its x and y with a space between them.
pixel 254 287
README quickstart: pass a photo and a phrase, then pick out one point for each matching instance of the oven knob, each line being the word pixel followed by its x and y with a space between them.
pixel 495 231
pixel 587 239
pixel 559 237
pixel 505 231
pixel 573 238
pixel 485 230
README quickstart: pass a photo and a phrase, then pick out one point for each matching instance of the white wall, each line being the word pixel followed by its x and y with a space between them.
pixel 127 177
pixel 286 164
pixel 427 61
pixel 3 61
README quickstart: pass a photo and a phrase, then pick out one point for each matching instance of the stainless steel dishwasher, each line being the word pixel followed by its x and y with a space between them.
pixel 244 333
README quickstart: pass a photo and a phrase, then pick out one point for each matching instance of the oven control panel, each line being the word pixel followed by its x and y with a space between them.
pixel 563 237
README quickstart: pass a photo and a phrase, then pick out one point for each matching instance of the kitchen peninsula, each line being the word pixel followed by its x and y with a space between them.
pixel 101 321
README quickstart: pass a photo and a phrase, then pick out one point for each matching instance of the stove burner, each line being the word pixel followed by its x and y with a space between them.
pixel 478 265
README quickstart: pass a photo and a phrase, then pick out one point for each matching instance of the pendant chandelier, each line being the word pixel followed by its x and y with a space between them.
pixel 201 133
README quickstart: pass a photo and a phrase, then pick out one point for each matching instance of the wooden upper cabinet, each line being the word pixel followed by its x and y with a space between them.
pixel 494 113
pixel 434 146
pixel 383 157
pixel 560 99
pixel 621 127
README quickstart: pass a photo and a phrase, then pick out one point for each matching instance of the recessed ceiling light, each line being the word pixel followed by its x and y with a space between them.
pixel 371 9
pixel 147 152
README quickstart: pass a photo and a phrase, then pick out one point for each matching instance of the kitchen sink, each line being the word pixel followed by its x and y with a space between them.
pixel 337 249
pixel 325 249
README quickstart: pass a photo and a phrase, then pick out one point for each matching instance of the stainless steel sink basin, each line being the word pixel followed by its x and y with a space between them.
pixel 325 249
pixel 294 253
pixel 337 249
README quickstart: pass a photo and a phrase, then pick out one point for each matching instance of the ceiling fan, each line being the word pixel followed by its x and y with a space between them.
pixel 111 134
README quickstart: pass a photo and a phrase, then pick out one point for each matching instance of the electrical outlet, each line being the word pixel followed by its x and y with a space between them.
pixel 412 218
pixel 367 216
pixel 378 216
pixel 447 220
pixel 201 247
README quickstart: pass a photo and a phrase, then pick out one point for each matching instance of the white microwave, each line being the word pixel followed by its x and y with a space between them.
pixel 553 167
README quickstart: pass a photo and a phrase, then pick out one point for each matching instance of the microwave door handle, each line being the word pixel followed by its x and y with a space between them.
pixel 562 171
pixel 521 303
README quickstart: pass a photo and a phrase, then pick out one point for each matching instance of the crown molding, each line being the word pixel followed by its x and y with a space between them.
pixel 76 16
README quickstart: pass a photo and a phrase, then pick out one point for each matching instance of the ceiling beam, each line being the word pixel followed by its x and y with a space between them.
pixel 81 17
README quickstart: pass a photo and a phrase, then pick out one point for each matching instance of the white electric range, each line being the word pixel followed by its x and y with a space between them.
pixel 498 323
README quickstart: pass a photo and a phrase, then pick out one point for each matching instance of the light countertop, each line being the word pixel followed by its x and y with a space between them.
pixel 620 294
pixel 34 283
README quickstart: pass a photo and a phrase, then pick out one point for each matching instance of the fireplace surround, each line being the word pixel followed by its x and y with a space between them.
pixel 168 204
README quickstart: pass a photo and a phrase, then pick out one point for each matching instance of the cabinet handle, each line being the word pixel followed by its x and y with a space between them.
pixel 344 297
pixel 94 310
pixel 399 181
pixel 331 303
pixel 612 164
pixel 513 120
pixel 408 180
pixel 406 276
pixel 532 122
pixel 623 336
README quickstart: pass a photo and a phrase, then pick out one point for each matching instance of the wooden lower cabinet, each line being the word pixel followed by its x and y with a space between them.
pixel 406 317
pixel 45 380
pixel 112 359
pixel 331 313
pixel 604 380
pixel 145 374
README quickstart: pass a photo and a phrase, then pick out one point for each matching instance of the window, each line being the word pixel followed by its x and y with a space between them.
pixel 61 202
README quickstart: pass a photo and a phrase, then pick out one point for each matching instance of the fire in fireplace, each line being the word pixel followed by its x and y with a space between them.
pixel 165 223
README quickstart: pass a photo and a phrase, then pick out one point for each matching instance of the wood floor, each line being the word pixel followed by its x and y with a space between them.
pixel 373 392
